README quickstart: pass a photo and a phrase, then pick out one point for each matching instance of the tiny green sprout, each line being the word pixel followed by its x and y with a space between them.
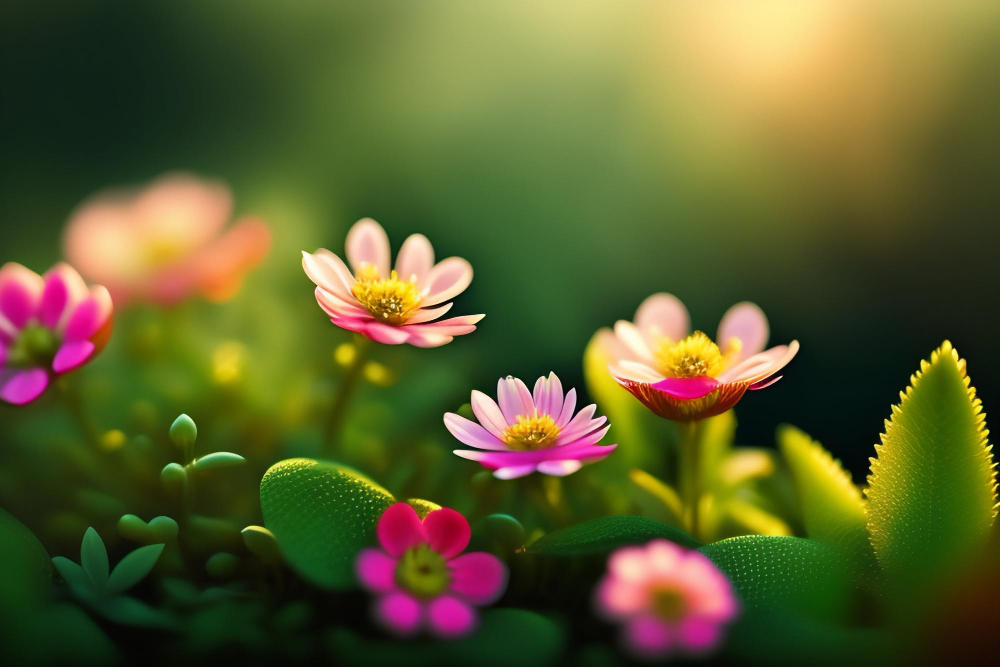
pixel 222 565
pixel 217 460
pixel 184 433
pixel 160 529
pixel 261 543
pixel 506 530
pixel 173 475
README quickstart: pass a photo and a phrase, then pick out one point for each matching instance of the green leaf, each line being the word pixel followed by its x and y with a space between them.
pixel 159 530
pixel 25 567
pixel 832 506
pixel 94 559
pixel 261 543
pixel 506 531
pixel 218 460
pixel 321 514
pixel 655 498
pixel 133 568
pixel 74 576
pixel 932 488
pixel 602 535
pixel 783 573
pixel 423 507
pixel 222 565
pixel 126 610
pixel 715 442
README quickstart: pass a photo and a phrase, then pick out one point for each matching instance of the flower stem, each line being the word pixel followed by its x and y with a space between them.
pixel 350 382
pixel 690 474
pixel 74 406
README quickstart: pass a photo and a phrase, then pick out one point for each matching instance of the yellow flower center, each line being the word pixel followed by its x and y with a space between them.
pixel 668 603
pixel 694 356
pixel 161 252
pixel 390 300
pixel 531 433
pixel 422 572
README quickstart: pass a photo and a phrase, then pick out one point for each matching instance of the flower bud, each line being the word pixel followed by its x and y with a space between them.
pixel 183 432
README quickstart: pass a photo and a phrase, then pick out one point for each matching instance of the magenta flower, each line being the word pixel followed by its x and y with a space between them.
pixel 670 599
pixel 529 432
pixel 391 306
pixel 49 325
pixel 686 376
pixel 421 580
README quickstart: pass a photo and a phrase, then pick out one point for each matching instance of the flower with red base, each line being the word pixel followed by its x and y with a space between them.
pixel 686 376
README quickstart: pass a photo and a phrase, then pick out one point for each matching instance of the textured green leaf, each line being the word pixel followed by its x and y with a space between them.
pixel 783 573
pixel 218 460
pixel 602 535
pixel 833 508
pixel 932 488
pixel 423 507
pixel 321 514
pixel 94 559
pixel 133 568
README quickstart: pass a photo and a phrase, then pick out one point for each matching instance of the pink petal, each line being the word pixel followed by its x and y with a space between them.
pixel 687 388
pixel 384 333
pixel 630 564
pixel 221 265
pixel 182 207
pixel 635 371
pixel 90 316
pixel 450 617
pixel 64 289
pixel 513 472
pixel 8 332
pixel 747 322
pixel 367 243
pixel 447 280
pixel 569 405
pixel 334 306
pixel 496 460
pixel 548 396
pixel 514 399
pixel 766 382
pixel 20 293
pixel 415 259
pixel 447 532
pixel 761 366
pixel 471 433
pixel 698 635
pixel 488 413
pixel 399 529
pixel 428 314
pixel 633 340
pixel 616 598
pixel 453 326
pixel 479 577
pixel 559 468
pixel 24 386
pixel 376 570
pixel 580 423
pixel 72 354
pixel 648 636
pixel 588 437
pixel 664 315
pixel 3 353
pixel 426 339
pixel 398 613
pixel 328 271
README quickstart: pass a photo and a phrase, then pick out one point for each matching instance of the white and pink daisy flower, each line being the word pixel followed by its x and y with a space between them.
pixel 687 376
pixel 49 325
pixel 668 598
pixel 396 306
pixel 529 432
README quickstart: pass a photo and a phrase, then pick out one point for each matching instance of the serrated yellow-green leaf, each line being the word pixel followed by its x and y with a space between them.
pixel 658 500
pixel 932 488
pixel 833 508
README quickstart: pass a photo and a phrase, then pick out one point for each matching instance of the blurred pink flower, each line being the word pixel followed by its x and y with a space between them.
pixel 526 433
pixel 49 325
pixel 670 599
pixel 166 241
pixel 421 579
pixel 392 307
pixel 684 376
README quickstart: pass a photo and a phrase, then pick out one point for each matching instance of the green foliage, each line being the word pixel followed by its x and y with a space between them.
pixel 159 530
pixel 217 460
pixel 94 559
pixel 260 542
pixel 783 573
pixel 133 568
pixel 321 514
pixel 222 565
pixel 604 534
pixel 506 531
pixel 932 488
pixel 423 507
pixel 184 433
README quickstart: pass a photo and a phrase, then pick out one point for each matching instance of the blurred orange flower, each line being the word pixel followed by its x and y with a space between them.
pixel 166 241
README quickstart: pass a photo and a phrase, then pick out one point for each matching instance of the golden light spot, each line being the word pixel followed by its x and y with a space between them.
pixel 531 433
pixel 112 440
pixel 694 356
pixel 345 354
pixel 227 362
pixel 378 374
pixel 390 300
pixel 162 252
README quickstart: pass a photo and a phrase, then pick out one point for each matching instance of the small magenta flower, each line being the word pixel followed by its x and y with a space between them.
pixel 687 376
pixel 529 432
pixel 421 579
pixel 670 599
pixel 49 325
pixel 391 306
pixel 166 241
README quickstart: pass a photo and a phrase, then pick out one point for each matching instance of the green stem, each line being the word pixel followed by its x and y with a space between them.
pixel 690 481
pixel 74 406
pixel 352 378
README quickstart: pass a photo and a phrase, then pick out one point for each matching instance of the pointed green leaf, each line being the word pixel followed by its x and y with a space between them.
pixel 321 514
pixel 655 498
pixel 599 536
pixel 133 568
pixel 74 576
pixel 94 559
pixel 832 506
pixel 932 488
pixel 218 460
pixel 783 573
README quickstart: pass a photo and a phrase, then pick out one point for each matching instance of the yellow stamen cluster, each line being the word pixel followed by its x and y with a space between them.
pixel 694 356
pixel 531 433
pixel 390 300
pixel 668 603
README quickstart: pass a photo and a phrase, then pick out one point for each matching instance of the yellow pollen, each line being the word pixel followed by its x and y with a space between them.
pixel 694 356
pixel 532 433
pixel 390 300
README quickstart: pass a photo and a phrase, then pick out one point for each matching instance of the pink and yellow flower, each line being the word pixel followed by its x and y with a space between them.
pixel 670 599
pixel 395 306
pixel 422 578
pixel 687 376
pixel 166 241
pixel 530 432
pixel 49 325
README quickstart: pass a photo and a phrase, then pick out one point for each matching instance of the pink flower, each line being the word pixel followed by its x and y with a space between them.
pixel 686 376
pixel 419 577
pixel 670 599
pixel 391 307
pixel 526 433
pixel 49 325
pixel 166 241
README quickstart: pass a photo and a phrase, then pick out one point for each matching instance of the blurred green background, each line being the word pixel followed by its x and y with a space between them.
pixel 835 162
